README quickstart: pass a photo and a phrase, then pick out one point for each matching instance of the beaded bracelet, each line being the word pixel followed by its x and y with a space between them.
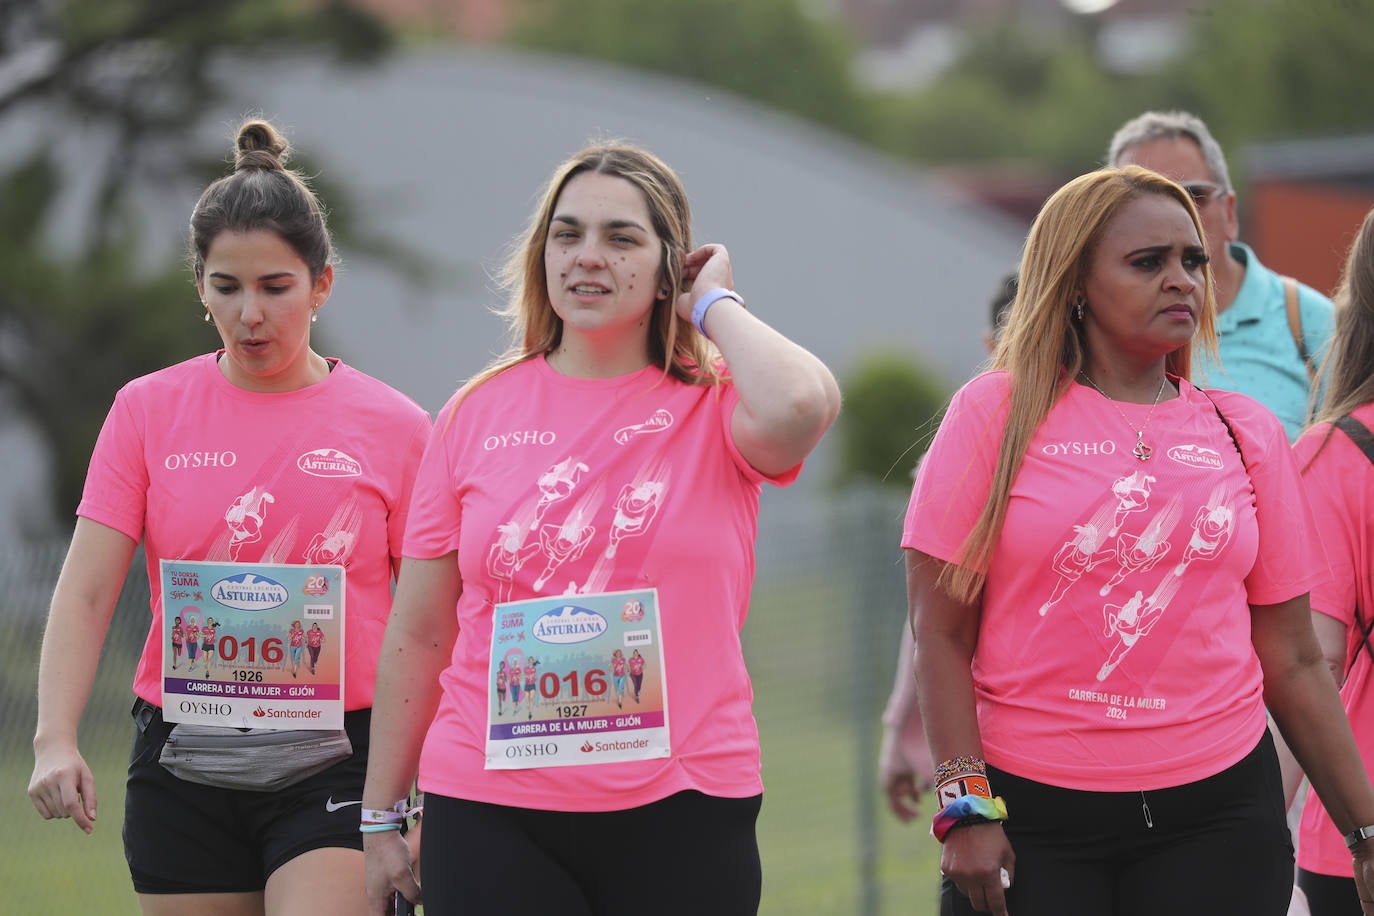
pixel 971 809
pixel 965 765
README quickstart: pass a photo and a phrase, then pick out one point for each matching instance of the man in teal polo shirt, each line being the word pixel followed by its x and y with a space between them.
pixel 1259 351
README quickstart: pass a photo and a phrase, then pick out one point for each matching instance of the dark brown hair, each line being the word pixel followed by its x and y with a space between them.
pixel 262 193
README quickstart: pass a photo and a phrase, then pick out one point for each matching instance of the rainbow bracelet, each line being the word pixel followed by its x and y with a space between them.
pixel 967 809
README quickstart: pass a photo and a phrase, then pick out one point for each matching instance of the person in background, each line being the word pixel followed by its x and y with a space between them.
pixel 1272 331
pixel 262 261
pixel 905 770
pixel 637 364
pixel 1109 571
pixel 1336 455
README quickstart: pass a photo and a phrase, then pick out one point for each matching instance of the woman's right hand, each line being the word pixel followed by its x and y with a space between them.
pixel 389 858
pixel 973 858
pixel 62 785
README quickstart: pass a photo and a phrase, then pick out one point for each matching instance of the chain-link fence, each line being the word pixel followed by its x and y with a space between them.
pixel 821 640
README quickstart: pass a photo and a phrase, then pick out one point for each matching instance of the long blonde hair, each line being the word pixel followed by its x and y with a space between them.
pixel 1349 367
pixel 535 327
pixel 1042 348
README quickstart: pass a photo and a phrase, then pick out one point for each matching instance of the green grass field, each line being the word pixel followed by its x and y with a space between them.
pixel 811 862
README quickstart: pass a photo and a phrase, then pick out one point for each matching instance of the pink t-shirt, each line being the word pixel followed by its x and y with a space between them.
pixel 1340 486
pixel 199 468
pixel 648 464
pixel 1114 648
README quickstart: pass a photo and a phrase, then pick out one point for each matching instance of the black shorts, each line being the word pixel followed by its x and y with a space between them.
pixel 184 838
pixel 686 855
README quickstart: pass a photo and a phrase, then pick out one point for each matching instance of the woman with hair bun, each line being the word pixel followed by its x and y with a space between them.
pixel 244 457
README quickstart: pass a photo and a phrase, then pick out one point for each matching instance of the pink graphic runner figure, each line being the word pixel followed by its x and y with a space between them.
pixel 1132 494
pixel 1134 620
pixel 508 553
pixel 1211 532
pixel 558 482
pixel 635 509
pixel 1140 554
pixel 560 544
pixel 1077 556
pixel 245 517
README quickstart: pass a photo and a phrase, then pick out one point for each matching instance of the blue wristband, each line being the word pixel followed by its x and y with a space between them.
pixel 379 828
pixel 707 300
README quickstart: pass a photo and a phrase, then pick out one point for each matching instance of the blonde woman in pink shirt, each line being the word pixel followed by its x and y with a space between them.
pixel 1111 757
pixel 250 454
pixel 636 369
pixel 1335 454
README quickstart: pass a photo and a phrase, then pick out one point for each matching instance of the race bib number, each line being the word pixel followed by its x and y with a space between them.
pixel 577 679
pixel 252 645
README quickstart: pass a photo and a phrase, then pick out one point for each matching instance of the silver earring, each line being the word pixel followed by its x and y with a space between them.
pixel 1078 308
pixel 314 315
pixel 208 319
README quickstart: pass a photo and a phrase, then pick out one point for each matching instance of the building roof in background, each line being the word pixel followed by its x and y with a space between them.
pixel 445 150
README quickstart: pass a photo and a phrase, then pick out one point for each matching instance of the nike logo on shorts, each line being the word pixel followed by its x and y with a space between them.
pixel 331 806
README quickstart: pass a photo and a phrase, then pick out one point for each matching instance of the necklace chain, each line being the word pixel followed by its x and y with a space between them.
pixel 1141 451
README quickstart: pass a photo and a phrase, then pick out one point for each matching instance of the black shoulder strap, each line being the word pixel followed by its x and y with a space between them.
pixel 1358 433
pixel 1364 440
pixel 1229 431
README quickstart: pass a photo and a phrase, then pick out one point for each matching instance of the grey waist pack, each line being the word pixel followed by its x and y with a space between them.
pixel 256 759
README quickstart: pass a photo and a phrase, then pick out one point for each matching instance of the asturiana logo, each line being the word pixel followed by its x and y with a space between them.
pixel 249 592
pixel 1196 456
pixel 329 462
pixel 569 624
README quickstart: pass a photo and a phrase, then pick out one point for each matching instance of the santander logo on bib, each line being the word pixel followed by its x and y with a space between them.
pixel 1196 456
pixel 329 462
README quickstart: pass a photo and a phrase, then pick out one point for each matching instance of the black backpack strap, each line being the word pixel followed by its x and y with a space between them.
pixel 1231 432
pixel 1358 433
pixel 1364 440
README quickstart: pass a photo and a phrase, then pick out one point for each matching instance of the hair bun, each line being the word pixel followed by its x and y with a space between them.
pixel 259 146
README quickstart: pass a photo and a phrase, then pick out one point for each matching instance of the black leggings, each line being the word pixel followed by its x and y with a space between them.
pixel 1328 895
pixel 687 855
pixel 1217 846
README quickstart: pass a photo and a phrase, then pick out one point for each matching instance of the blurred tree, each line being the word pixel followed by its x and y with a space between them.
pixel 78 320
pixel 891 410
pixel 769 50
pixel 1253 69
pixel 1267 69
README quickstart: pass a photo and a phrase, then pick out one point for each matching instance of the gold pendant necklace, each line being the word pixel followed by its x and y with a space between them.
pixel 1141 451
